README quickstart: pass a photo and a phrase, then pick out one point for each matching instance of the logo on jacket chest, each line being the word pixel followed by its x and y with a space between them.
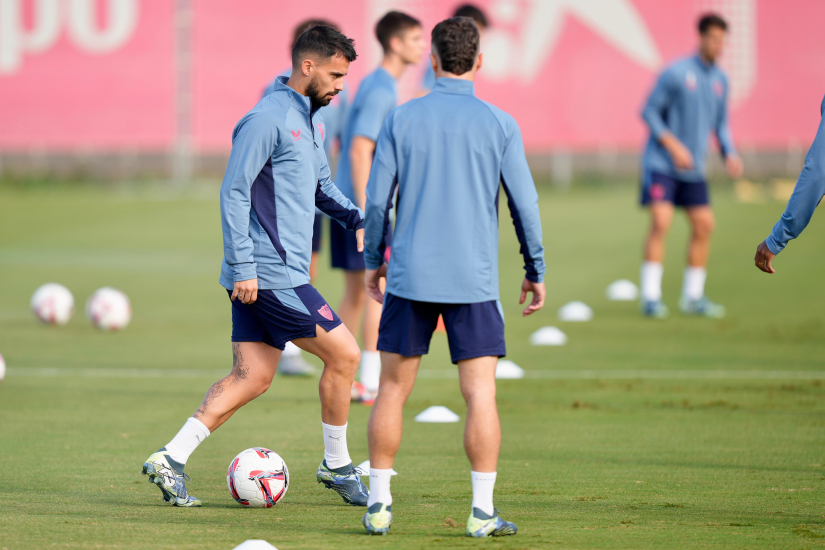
pixel 321 130
pixel 718 89
pixel 296 135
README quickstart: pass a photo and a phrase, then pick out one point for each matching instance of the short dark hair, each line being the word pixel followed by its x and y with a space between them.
pixel 323 42
pixel 308 24
pixel 473 12
pixel 711 20
pixel 394 24
pixel 455 43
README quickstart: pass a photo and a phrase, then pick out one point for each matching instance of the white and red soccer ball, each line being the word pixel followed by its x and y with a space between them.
pixel 109 309
pixel 257 478
pixel 52 303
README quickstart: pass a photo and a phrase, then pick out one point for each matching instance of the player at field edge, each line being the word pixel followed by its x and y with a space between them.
pixel 292 362
pixel 277 174
pixel 464 10
pixel 687 103
pixel 448 154
pixel 402 41
pixel 808 193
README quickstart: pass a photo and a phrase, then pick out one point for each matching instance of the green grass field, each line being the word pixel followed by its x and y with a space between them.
pixel 637 434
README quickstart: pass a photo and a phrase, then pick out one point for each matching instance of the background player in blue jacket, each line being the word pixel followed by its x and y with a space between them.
pixel 464 10
pixel 277 174
pixel 688 102
pixel 292 362
pixel 402 40
pixel 808 193
pixel 448 154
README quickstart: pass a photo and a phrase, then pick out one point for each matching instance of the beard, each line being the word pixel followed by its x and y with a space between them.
pixel 316 98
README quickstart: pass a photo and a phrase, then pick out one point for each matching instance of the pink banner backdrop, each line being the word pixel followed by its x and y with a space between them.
pixel 100 75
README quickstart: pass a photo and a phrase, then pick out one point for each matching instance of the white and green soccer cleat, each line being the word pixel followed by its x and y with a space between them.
pixel 345 481
pixel 702 308
pixel 159 468
pixel 485 525
pixel 655 309
pixel 378 519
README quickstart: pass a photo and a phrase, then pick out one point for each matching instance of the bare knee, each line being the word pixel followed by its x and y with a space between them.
pixel 703 228
pixel 347 359
pixel 478 391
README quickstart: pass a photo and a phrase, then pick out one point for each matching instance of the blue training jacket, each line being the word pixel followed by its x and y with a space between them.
pixel 334 114
pixel 276 176
pixel 448 153
pixel 376 96
pixel 690 101
pixel 809 190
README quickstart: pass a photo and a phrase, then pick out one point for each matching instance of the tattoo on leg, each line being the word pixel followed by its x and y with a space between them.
pixel 239 369
pixel 214 391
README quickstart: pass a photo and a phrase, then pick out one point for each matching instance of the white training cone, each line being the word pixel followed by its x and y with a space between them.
pixel 548 336
pixel 365 469
pixel 575 312
pixel 437 414
pixel 508 369
pixel 255 544
pixel 622 291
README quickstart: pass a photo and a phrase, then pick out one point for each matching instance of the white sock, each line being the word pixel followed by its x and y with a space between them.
pixel 370 369
pixel 483 484
pixel 187 440
pixel 652 281
pixel 693 287
pixel 290 350
pixel 380 487
pixel 335 446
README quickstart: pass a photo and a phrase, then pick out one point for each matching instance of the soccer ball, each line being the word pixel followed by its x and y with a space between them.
pixel 257 478
pixel 53 303
pixel 2 368
pixel 109 309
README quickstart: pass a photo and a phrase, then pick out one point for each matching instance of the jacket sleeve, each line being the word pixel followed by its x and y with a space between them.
pixel 523 201
pixel 723 128
pixel 333 203
pixel 809 190
pixel 657 104
pixel 252 146
pixel 380 188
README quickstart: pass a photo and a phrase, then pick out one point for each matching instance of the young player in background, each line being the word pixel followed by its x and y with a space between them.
pixel 292 362
pixel 277 174
pixel 449 154
pixel 465 10
pixel 808 193
pixel 688 102
pixel 402 40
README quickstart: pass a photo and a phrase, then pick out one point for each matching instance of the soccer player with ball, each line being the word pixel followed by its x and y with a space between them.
pixel 277 174
pixel 448 153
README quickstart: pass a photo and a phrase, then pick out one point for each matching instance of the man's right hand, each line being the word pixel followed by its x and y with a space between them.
pixel 538 296
pixel 246 291
pixel 681 156
pixel 373 281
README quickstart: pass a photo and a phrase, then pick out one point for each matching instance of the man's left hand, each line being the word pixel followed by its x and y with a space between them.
pixel 373 281
pixel 734 166
pixel 763 258
pixel 359 238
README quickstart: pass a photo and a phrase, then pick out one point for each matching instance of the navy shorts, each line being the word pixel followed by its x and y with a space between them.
pixel 316 232
pixel 343 248
pixel 473 330
pixel 280 316
pixel 658 187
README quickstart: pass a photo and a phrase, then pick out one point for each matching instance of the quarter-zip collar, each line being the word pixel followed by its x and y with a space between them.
pixel 457 86
pixel 299 101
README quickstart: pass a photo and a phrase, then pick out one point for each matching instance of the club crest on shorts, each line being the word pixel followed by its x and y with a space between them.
pixel 326 312
pixel 657 192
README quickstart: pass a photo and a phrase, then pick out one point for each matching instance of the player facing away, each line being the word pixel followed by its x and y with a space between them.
pixel 276 176
pixel 465 10
pixel 402 40
pixel 808 193
pixel 292 362
pixel 688 102
pixel 448 153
